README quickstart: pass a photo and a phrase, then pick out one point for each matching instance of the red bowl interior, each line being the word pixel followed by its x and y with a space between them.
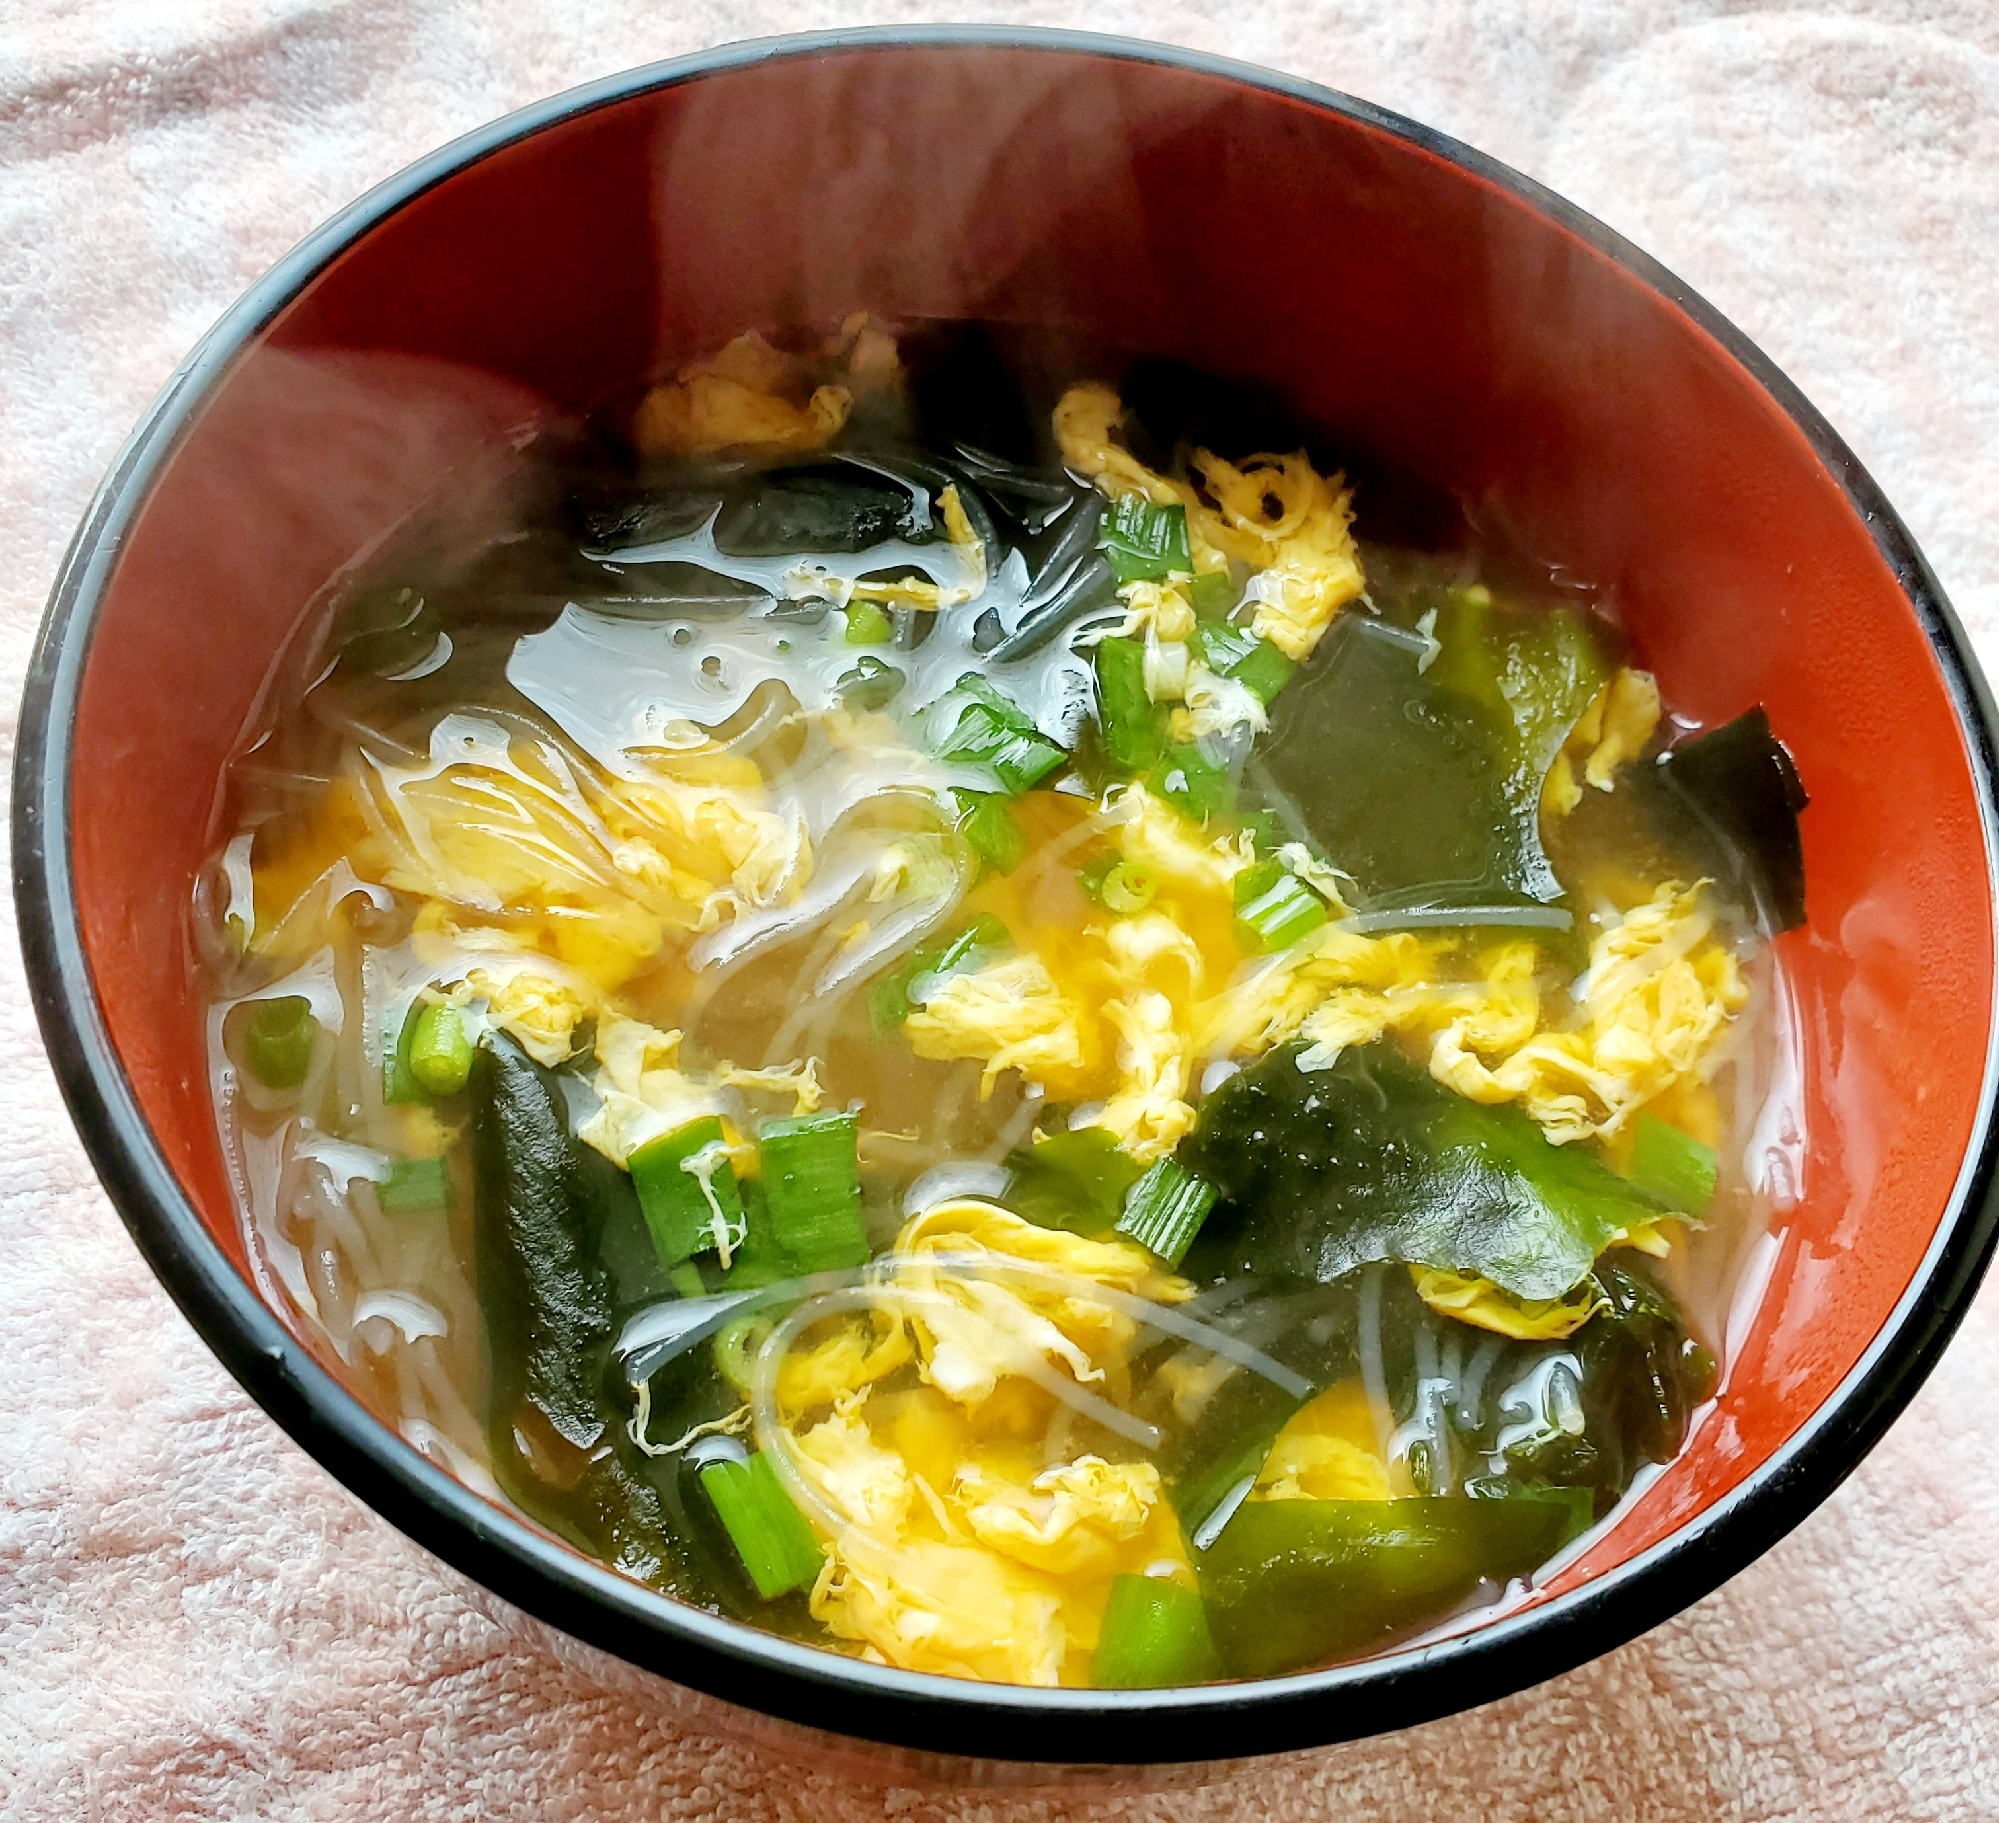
pixel 1417 306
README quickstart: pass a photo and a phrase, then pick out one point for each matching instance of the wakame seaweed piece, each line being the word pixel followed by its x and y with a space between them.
pixel 1324 1171
pixel 546 1297
pixel 1075 1181
pixel 1440 768
pixel 964 390
pixel 1739 789
pixel 606 520
pixel 1642 1376
pixel 977 725
pixel 1033 498
pixel 1170 406
pixel 1293 1583
pixel 381 631
pixel 820 508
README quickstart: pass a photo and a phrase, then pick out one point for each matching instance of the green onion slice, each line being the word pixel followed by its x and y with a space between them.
pixel 1164 1210
pixel 770 1534
pixel 278 1038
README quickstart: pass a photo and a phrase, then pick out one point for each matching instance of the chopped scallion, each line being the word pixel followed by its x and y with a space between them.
pixel 1187 778
pixel 812 1185
pixel 687 1191
pixel 1673 1166
pixel 416 1183
pixel 278 1038
pixel 1274 908
pixel 1154 1633
pixel 988 825
pixel 1144 542
pixel 1254 663
pixel 868 624
pixel 770 1534
pixel 440 1051
pixel 890 1002
pixel 977 726
pixel 1213 593
pixel 1164 1210
pixel 1134 726
pixel 399 1083
pixel 1128 887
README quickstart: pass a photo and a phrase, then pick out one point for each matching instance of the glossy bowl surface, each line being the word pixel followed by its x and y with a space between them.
pixel 1423 302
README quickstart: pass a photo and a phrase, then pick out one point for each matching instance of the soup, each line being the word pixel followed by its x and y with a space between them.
pixel 931 989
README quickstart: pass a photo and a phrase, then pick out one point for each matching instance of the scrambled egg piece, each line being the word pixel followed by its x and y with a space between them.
pixel 1658 993
pixel 644 1091
pixel 749 394
pixel 597 872
pixel 1610 733
pixel 962 1549
pixel 1010 1015
pixel 1478 1301
pixel 1276 514
pixel 1329 1450
pixel 970 1329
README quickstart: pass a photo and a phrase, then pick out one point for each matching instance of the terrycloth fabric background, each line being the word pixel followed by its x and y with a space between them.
pixel 195 1622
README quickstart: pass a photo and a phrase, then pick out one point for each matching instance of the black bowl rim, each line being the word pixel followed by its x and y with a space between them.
pixel 730 1660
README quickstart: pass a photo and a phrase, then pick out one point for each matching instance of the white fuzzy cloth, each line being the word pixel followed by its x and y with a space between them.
pixel 195 1622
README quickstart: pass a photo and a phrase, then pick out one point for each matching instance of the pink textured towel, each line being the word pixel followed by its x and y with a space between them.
pixel 196 1622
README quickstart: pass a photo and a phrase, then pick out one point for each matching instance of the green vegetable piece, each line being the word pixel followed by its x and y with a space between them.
pixel 687 1280
pixel 812 1185
pixel 976 725
pixel 989 826
pixel 1254 663
pixel 687 1188
pixel 1134 726
pixel 1154 1633
pixel 1092 875
pixel 1185 776
pixel 278 1037
pixel 1370 1160
pixel 1735 794
pixel 399 1083
pixel 440 1051
pixel 1292 1583
pixel 770 1534
pixel 416 1183
pixel 1075 1181
pixel 1127 888
pixel 1213 593
pixel 1274 908
pixel 1164 1210
pixel 890 1000
pixel 546 1300
pixel 868 624
pixel 1441 765
pixel 1144 542
pixel 1673 1166
pixel 870 685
